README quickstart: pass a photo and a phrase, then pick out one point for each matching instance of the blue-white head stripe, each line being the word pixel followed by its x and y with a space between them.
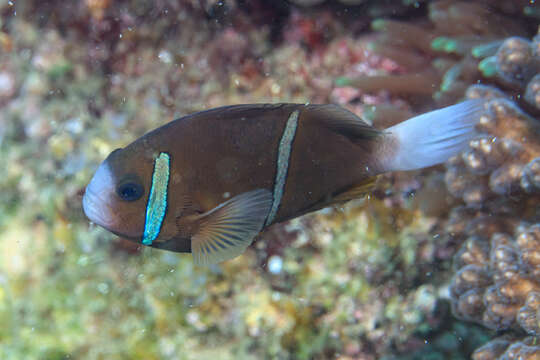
pixel 156 207
pixel 284 153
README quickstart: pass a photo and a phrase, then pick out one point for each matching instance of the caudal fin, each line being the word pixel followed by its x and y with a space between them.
pixel 430 138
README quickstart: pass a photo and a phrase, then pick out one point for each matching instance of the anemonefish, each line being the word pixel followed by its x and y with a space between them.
pixel 209 182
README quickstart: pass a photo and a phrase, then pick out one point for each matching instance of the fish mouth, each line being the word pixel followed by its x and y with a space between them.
pixel 98 211
pixel 95 210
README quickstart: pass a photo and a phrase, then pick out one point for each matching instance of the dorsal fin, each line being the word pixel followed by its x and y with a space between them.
pixel 341 120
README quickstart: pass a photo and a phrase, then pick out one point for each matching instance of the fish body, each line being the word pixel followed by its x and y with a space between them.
pixel 209 182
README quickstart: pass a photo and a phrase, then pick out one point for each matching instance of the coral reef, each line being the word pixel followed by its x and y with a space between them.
pixel 362 281
pixel 457 47
pixel 493 184
pixel 496 283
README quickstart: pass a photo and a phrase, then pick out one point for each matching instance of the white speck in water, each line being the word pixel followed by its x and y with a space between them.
pixel 74 126
pixel 275 264
pixel 226 195
pixel 165 57
pixel 192 317
pixel 171 270
pixel 103 288
pixel 7 83
pixel 120 36
pixel 83 260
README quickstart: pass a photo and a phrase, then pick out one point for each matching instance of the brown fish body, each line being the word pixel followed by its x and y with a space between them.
pixel 246 139
pixel 298 157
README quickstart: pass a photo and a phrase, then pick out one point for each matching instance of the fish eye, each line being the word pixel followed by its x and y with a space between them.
pixel 130 190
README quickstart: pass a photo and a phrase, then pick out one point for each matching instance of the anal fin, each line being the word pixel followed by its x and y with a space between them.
pixel 356 191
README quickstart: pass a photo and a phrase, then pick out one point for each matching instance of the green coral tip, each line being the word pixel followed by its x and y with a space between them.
pixel 478 51
pixel 438 95
pixel 531 11
pixel 371 46
pixel 378 24
pixel 342 81
pixel 450 46
pixel 488 66
pixel 484 50
pixel 369 112
pixel 414 3
pixel 439 43
pixel 446 85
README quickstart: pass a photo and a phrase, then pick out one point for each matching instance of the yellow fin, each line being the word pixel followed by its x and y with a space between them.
pixel 356 191
pixel 227 230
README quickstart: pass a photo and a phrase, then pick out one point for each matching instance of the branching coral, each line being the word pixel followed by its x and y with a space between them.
pixel 497 279
pixel 496 180
pixel 358 282
pixel 507 348
pixel 497 285
pixel 457 47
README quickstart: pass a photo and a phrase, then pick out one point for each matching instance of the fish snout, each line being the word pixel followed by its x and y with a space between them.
pixel 97 198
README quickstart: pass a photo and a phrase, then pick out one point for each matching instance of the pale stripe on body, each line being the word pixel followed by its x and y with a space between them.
pixel 156 206
pixel 284 154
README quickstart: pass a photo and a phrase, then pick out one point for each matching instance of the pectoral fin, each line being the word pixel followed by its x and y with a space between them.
pixel 227 230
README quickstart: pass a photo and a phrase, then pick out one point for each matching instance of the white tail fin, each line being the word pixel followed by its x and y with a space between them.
pixel 431 138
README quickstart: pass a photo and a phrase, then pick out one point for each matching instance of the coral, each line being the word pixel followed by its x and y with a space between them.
pixel 362 281
pixel 496 275
pixel 497 286
pixel 532 94
pixel 494 183
pixel 496 283
pixel 507 348
pixel 528 316
pixel 462 43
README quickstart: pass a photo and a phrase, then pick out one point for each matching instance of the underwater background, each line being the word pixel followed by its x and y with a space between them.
pixel 442 263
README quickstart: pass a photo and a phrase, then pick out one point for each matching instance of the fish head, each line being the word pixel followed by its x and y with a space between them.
pixel 116 196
